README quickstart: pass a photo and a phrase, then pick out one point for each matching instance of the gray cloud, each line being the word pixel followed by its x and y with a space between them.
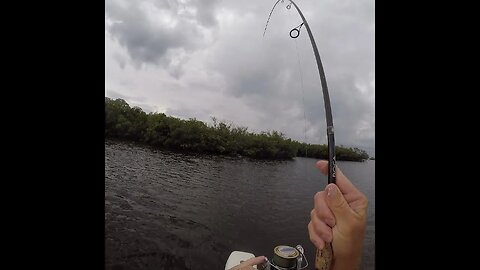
pixel 119 59
pixel 157 32
pixel 205 11
pixel 114 94
pixel 133 101
pixel 208 58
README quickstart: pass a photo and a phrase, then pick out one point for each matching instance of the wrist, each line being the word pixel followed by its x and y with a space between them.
pixel 351 263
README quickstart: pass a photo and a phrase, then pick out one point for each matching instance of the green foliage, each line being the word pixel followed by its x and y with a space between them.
pixel 351 154
pixel 161 131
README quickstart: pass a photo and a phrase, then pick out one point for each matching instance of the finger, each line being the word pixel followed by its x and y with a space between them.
pixel 322 165
pixel 322 210
pixel 342 182
pixel 250 262
pixel 314 238
pixel 337 203
pixel 321 229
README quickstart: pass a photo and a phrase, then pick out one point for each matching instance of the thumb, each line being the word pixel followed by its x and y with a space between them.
pixel 337 203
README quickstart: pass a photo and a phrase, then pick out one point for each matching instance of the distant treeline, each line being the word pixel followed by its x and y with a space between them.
pixel 166 132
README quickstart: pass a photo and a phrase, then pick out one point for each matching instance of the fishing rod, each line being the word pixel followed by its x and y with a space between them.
pixel 324 257
pixel 326 98
pixel 294 33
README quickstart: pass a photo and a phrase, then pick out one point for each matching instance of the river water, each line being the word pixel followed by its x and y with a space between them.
pixel 167 210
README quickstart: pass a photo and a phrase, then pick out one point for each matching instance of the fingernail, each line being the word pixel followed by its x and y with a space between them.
pixel 332 191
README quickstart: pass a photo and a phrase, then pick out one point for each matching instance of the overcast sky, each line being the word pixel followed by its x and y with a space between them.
pixel 204 58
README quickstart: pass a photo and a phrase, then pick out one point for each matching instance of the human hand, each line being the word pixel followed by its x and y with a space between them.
pixel 339 217
pixel 248 264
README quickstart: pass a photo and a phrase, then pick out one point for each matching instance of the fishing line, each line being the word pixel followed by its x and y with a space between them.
pixel 270 15
pixel 303 95
pixel 299 61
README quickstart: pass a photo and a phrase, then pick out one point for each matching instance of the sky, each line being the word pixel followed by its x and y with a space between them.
pixel 209 58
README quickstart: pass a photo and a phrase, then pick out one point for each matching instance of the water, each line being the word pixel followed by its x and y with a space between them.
pixel 172 211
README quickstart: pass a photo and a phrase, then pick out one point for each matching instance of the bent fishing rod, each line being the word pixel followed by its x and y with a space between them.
pixel 324 257
pixel 294 33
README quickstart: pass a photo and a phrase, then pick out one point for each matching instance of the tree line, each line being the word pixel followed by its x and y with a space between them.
pixel 166 132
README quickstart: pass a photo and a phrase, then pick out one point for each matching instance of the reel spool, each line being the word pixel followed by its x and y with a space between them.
pixel 285 256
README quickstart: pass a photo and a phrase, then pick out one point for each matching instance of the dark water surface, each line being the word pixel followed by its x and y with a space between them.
pixel 171 211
